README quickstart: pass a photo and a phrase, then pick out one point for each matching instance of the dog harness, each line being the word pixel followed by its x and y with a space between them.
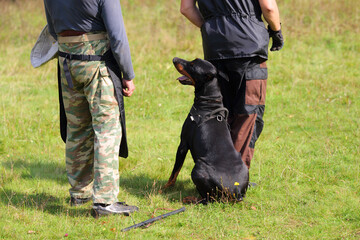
pixel 200 115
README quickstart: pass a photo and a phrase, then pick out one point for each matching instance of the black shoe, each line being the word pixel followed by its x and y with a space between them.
pixel 99 209
pixel 79 201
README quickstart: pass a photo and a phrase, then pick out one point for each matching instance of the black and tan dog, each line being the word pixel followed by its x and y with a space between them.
pixel 219 170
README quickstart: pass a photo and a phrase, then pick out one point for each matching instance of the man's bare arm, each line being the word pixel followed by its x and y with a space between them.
pixel 271 14
pixel 190 11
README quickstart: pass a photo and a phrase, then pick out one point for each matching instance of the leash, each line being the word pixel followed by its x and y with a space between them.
pixel 144 223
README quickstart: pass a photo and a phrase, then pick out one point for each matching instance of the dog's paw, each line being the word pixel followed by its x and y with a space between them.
pixel 165 187
pixel 190 200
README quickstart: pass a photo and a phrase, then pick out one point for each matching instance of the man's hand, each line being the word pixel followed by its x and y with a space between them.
pixel 128 87
pixel 277 39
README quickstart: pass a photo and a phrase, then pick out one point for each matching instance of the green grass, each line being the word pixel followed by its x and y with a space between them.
pixel 306 162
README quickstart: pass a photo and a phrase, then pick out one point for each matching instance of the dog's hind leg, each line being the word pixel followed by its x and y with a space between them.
pixel 201 176
pixel 180 158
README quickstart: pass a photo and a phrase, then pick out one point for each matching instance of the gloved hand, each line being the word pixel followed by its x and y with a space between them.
pixel 277 39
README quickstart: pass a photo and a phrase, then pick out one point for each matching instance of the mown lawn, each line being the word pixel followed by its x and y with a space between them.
pixel 306 164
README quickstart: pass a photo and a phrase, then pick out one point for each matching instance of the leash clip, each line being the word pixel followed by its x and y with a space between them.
pixel 219 118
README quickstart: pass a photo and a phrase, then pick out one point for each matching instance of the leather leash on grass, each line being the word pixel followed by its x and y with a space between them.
pixel 151 220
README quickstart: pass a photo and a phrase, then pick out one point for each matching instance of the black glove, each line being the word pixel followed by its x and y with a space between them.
pixel 277 39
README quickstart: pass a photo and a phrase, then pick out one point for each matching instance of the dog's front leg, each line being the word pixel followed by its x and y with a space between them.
pixel 180 158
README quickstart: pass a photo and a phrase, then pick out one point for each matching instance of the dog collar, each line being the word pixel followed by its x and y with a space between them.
pixel 200 117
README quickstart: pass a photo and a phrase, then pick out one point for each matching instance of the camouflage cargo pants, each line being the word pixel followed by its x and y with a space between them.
pixel 93 125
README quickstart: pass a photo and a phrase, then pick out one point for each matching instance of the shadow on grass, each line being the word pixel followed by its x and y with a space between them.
pixel 37 168
pixel 21 170
pixel 42 202
pixel 143 186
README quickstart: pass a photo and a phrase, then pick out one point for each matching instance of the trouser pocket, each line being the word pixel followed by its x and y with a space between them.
pixel 256 78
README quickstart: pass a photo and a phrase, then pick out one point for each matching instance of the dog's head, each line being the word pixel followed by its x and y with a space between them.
pixel 196 72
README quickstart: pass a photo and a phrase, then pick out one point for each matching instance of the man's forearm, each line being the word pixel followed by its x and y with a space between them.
pixel 191 12
pixel 271 14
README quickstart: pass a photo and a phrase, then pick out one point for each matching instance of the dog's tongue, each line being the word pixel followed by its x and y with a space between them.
pixel 182 78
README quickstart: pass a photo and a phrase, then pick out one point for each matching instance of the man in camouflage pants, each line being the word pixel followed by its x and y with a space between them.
pixel 94 128
pixel 95 70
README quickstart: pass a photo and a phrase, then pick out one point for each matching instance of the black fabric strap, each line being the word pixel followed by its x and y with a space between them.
pixel 67 74
pixel 81 57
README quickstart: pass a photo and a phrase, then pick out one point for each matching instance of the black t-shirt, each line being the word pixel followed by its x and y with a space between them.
pixel 233 29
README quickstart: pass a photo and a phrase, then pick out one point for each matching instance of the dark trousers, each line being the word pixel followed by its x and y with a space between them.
pixel 243 86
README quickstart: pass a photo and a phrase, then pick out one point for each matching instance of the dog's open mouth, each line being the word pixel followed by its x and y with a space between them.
pixel 185 80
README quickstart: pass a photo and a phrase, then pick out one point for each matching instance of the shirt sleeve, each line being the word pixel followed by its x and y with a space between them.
pixel 49 22
pixel 114 24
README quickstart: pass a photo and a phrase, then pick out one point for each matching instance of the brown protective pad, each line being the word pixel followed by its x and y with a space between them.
pixel 255 92
pixel 242 127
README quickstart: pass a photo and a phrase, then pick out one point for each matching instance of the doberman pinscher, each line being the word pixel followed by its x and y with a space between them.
pixel 219 170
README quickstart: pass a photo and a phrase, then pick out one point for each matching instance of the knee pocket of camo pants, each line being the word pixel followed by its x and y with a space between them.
pixel 256 79
pixel 104 106
pixel 103 71
pixel 107 96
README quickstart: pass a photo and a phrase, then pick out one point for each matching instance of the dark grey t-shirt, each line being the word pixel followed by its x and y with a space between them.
pixel 91 16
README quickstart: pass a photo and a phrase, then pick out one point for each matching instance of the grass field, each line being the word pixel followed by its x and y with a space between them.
pixel 306 163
